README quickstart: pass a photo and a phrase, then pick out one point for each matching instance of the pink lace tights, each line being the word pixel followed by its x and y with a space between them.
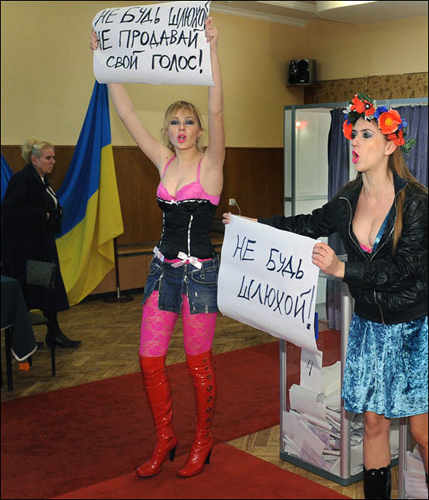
pixel 157 328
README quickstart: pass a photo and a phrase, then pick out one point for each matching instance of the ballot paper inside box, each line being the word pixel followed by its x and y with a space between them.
pixel 311 424
pixel 414 475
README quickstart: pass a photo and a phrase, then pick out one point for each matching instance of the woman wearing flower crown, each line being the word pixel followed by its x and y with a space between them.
pixel 382 219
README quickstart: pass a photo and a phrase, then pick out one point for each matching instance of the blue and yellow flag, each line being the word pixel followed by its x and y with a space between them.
pixel 90 200
pixel 6 174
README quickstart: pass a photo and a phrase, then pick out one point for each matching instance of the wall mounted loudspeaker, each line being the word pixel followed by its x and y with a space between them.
pixel 302 71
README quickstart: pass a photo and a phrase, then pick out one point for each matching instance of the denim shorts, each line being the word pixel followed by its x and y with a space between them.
pixel 200 285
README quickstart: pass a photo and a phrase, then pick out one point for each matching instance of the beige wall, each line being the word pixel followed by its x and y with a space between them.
pixel 47 78
pixel 379 48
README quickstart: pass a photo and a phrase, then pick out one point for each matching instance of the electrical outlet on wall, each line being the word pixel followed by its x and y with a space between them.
pixel 233 203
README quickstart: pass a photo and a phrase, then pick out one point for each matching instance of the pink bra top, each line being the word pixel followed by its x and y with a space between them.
pixel 192 191
pixel 365 248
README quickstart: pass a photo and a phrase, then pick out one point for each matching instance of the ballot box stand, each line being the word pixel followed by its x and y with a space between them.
pixel 344 477
pixel 404 444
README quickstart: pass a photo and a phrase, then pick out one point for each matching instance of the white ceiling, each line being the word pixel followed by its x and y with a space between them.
pixel 299 13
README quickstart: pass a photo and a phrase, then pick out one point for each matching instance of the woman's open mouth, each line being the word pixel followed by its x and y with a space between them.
pixel 355 157
pixel 181 138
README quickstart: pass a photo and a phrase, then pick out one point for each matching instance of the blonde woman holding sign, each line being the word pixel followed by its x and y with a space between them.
pixel 184 270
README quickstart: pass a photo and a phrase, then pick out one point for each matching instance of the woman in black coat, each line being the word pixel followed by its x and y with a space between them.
pixel 31 216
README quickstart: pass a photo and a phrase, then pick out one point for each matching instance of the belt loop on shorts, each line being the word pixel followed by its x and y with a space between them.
pixel 158 254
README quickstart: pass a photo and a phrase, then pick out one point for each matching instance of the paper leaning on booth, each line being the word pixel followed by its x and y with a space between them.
pixel 414 475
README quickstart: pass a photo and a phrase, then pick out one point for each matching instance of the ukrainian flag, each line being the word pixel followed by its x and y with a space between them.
pixel 90 200
pixel 6 174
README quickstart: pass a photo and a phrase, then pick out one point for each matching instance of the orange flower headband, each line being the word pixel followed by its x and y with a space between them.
pixel 388 120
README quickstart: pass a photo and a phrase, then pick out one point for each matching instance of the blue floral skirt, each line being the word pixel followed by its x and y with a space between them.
pixel 386 369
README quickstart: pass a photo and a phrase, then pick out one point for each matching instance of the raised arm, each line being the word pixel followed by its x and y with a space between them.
pixel 154 149
pixel 151 147
pixel 216 133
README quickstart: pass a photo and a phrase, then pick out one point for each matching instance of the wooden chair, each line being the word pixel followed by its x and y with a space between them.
pixel 36 318
pixel 41 274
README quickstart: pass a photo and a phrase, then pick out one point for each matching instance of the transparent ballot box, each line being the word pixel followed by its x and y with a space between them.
pixel 316 433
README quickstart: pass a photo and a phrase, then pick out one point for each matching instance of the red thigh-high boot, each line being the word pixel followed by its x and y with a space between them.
pixel 157 388
pixel 203 379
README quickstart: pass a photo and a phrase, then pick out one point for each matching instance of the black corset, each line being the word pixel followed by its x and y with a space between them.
pixel 186 228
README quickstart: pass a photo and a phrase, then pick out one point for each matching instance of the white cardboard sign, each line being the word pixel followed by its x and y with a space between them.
pixel 161 43
pixel 267 280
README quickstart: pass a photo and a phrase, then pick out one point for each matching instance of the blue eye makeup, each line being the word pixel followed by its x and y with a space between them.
pixel 366 134
pixel 188 121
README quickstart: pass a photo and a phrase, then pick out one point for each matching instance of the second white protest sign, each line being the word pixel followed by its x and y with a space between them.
pixel 267 280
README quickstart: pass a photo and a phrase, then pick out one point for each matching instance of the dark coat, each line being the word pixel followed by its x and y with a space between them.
pixel 27 233
pixel 387 288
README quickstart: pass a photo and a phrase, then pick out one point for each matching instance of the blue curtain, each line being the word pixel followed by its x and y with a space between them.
pixel 417 158
pixel 338 175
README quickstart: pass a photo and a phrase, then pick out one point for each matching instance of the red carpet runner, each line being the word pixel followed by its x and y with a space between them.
pixel 231 474
pixel 61 441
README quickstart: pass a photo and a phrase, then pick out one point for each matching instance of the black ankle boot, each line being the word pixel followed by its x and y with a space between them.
pixel 377 483
pixel 55 336
pixel 58 338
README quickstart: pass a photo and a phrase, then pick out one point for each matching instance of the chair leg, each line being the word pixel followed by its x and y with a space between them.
pixel 8 349
pixel 53 368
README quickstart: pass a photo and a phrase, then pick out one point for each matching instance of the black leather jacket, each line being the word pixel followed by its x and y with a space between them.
pixel 387 288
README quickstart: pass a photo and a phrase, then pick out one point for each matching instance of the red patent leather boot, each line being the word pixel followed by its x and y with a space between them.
pixel 203 379
pixel 157 388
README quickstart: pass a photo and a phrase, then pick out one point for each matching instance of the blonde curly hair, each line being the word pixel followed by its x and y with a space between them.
pixel 34 147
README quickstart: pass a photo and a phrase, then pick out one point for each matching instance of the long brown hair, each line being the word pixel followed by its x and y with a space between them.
pixel 397 165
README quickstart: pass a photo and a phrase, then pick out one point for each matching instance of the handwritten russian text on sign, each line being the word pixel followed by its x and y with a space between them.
pixel 268 281
pixel 156 43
